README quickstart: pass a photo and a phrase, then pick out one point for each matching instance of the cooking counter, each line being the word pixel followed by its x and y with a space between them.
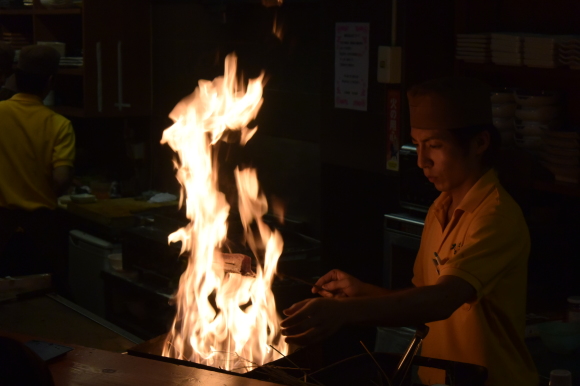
pixel 93 367
pixel 112 216
pixel 97 351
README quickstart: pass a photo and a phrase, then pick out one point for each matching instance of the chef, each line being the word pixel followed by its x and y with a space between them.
pixel 470 273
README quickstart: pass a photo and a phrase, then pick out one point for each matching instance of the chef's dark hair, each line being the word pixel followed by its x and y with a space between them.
pixel 464 135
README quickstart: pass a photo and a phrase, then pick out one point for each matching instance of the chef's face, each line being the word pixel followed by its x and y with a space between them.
pixel 449 166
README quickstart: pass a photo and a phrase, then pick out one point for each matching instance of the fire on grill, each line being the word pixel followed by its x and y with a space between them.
pixel 226 314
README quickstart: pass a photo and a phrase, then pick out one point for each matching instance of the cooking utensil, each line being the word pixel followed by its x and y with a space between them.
pixel 302 281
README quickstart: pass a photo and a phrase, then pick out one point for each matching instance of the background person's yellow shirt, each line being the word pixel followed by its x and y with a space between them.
pixel 33 141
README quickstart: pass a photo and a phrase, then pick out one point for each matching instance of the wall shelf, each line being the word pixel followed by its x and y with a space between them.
pixel 12 12
pixel 57 11
pixel 41 11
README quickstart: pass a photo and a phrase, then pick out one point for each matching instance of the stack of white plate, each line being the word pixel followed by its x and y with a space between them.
pixel 536 114
pixel 507 49
pixel 57 3
pixel 473 48
pixel 503 108
pixel 541 51
pixel 71 61
pixel 569 52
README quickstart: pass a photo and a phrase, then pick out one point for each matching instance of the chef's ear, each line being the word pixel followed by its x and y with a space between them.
pixel 482 141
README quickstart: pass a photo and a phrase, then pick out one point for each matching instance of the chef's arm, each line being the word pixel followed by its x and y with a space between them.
pixel 61 179
pixel 413 306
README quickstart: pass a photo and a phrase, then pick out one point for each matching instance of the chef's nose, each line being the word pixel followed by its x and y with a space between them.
pixel 423 159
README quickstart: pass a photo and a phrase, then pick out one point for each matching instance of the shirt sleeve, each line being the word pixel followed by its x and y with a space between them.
pixel 492 246
pixel 64 146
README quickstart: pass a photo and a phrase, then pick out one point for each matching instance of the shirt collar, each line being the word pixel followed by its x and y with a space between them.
pixel 472 199
pixel 24 97
pixel 440 207
pixel 479 191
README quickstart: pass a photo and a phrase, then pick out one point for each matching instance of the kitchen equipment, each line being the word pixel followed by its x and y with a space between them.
pixel 573 309
pixel 88 257
pixel 407 358
pixel 402 235
pixel 329 363
pixel 560 337
pixel 560 377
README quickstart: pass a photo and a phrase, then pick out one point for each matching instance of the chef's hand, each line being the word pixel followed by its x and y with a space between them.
pixel 339 284
pixel 312 320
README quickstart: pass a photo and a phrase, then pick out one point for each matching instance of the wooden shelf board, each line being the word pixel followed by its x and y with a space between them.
pixel 519 70
pixel 41 11
pixel 11 12
pixel 57 11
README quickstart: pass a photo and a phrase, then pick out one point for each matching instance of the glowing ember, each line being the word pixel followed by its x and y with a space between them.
pixel 223 319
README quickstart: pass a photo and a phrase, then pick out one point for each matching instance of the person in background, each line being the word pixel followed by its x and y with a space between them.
pixel 470 273
pixel 37 151
pixel 7 81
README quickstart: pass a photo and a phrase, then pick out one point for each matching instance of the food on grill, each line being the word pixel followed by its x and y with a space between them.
pixel 237 263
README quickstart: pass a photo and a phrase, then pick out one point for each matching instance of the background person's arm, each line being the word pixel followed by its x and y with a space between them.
pixel 61 179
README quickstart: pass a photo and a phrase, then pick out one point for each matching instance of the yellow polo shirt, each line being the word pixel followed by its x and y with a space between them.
pixel 33 141
pixel 486 243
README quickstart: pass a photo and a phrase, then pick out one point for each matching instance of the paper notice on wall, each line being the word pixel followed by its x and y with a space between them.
pixel 351 65
pixel 393 129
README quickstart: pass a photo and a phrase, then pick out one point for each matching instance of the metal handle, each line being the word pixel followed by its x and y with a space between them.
pixel 405 219
pixel 99 79
pixel 407 358
pixel 120 103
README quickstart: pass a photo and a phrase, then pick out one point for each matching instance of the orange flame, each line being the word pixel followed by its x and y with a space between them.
pixel 223 319
pixel 277 29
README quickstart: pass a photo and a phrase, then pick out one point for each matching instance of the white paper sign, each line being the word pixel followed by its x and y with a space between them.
pixel 351 65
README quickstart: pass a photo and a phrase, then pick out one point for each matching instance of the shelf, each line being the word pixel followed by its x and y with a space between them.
pixel 12 12
pixel 524 71
pixel 41 11
pixel 56 11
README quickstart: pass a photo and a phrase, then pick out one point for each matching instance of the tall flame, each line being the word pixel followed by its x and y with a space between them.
pixel 223 319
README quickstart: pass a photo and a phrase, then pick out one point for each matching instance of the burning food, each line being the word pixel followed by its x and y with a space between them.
pixel 237 263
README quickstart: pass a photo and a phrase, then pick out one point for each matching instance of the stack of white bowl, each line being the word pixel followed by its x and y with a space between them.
pixel 536 114
pixel 569 52
pixel 507 49
pixel 561 154
pixel 503 108
pixel 541 51
pixel 473 48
